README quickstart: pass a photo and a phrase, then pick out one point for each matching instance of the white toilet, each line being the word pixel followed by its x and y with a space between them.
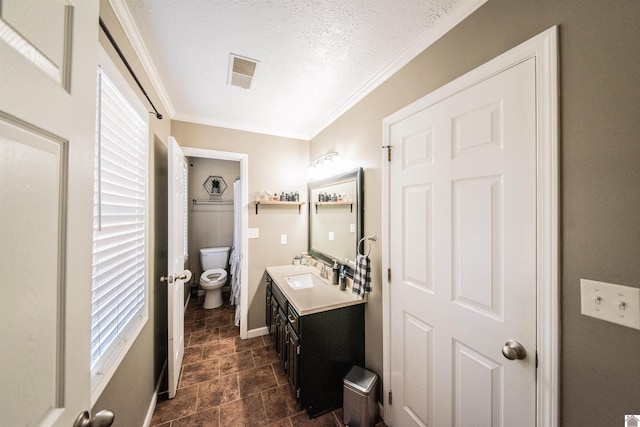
pixel 214 263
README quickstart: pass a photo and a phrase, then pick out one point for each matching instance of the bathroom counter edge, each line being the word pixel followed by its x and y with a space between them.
pixel 312 300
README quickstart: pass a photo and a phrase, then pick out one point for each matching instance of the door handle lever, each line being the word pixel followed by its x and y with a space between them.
pixel 103 418
pixel 185 275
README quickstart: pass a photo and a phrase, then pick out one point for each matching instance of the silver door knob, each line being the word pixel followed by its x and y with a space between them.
pixel 168 279
pixel 513 350
pixel 103 418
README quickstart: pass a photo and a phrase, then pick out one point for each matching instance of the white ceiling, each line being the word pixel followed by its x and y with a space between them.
pixel 317 58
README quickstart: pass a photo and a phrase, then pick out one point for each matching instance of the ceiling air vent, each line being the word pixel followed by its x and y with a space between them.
pixel 241 71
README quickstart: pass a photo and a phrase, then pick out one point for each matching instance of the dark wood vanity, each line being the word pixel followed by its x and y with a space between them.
pixel 317 349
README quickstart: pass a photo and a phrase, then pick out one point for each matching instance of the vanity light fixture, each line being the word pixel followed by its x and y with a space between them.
pixel 324 166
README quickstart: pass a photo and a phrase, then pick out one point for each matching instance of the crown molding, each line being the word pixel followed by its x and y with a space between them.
pixel 131 30
pixel 190 118
pixel 442 26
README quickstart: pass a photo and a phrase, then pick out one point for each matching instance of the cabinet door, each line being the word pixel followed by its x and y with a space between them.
pixel 293 357
pixel 273 315
pixel 269 313
pixel 281 322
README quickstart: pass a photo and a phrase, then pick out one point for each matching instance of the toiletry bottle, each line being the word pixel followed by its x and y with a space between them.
pixel 336 272
pixel 343 279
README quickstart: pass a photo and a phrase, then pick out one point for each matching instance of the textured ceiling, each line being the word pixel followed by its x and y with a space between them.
pixel 316 57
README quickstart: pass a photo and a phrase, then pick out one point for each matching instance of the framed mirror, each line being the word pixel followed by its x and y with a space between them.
pixel 335 217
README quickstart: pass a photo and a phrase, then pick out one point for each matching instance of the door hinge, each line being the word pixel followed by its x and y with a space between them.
pixel 389 275
pixel 298 393
pixel 390 397
pixel 536 360
pixel 298 350
pixel 388 147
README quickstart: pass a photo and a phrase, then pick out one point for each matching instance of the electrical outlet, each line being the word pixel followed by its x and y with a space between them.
pixel 253 233
pixel 613 303
pixel 283 239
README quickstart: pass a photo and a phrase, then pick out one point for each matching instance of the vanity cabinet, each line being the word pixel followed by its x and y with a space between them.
pixel 317 350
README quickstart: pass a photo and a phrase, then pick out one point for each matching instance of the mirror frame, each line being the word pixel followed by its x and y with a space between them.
pixel 356 175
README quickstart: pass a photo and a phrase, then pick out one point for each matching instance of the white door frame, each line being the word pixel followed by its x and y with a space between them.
pixel 243 158
pixel 544 48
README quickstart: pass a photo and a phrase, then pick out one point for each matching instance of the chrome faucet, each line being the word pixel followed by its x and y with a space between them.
pixel 323 269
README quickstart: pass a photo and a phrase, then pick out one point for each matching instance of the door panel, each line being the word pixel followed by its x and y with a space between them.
pixel 418 228
pixel 477 387
pixel 47 128
pixel 477 245
pixel 177 275
pixel 418 373
pixel 40 32
pixel 462 238
pixel 27 309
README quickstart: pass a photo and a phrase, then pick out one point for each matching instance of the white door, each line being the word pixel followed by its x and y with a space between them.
pixel 177 275
pixel 48 65
pixel 463 257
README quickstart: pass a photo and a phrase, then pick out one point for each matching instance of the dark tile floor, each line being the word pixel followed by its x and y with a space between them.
pixel 227 381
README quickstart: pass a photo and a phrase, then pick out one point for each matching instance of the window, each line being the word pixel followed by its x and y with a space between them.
pixel 119 300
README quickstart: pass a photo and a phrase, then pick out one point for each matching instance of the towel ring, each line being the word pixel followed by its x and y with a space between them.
pixel 366 239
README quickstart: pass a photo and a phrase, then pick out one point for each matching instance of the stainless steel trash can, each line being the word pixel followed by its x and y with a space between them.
pixel 360 408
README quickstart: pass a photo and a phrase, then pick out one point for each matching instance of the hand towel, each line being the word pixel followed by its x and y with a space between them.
pixel 362 276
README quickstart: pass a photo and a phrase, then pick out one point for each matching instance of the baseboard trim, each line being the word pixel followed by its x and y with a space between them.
pixel 257 332
pixel 152 407
pixel 154 398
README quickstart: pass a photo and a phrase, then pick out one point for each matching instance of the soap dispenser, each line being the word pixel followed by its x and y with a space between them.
pixel 336 272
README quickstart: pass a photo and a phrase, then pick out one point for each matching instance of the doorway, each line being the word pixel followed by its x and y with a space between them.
pixel 242 224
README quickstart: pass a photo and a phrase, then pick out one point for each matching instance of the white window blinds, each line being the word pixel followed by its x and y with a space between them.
pixel 120 226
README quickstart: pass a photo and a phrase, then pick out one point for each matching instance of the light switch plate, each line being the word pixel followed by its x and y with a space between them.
pixel 283 239
pixel 613 303
pixel 253 233
pixel 331 236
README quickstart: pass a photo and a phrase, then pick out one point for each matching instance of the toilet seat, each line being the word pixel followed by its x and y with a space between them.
pixel 213 277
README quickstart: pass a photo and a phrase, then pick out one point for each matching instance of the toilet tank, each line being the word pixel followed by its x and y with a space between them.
pixel 214 257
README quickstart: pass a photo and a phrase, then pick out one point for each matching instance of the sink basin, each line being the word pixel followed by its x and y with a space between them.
pixel 303 281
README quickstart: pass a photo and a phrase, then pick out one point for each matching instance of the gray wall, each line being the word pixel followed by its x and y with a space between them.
pixel 599 128
pixel 161 264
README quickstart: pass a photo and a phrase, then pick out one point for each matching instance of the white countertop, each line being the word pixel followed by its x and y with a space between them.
pixel 316 299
